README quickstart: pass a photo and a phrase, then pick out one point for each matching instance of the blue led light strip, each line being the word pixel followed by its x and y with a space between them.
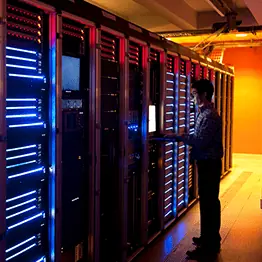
pixel 21 67
pixel 21 164
pixel 21 156
pixel 21 252
pixel 20 148
pixel 26 76
pixel 20 50
pixel 21 212
pixel 21 58
pixel 20 196
pixel 25 125
pixel 26 173
pixel 21 204
pixel 20 107
pixel 168 213
pixel 20 244
pixel 25 221
pixel 20 116
pixel 21 99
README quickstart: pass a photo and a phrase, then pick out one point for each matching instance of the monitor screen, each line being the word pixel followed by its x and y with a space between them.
pixel 70 73
pixel 152 119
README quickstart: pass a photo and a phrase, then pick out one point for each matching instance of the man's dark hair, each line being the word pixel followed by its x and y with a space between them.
pixel 204 86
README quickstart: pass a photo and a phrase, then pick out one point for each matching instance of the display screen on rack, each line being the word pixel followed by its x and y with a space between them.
pixel 152 119
pixel 71 73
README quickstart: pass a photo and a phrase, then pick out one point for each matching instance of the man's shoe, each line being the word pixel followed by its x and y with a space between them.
pixel 202 253
pixel 197 241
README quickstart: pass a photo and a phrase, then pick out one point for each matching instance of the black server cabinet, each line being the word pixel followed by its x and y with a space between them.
pixel 231 121
pixel 170 147
pixel 75 87
pixel 136 77
pixel 218 92
pixel 222 114
pixel 228 123
pixel 192 120
pixel 110 144
pixel 154 148
pixel 27 118
pixel 182 150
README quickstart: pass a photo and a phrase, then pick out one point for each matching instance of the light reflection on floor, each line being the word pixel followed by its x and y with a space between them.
pixel 241 229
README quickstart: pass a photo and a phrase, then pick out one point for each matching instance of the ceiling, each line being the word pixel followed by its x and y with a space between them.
pixel 171 15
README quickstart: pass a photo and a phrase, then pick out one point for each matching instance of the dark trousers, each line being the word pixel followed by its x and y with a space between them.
pixel 209 173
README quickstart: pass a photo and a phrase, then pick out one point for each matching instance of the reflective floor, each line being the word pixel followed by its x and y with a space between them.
pixel 241 229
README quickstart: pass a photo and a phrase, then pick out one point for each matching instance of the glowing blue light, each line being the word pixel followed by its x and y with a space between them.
pixel 20 196
pixel 21 204
pixel 26 76
pixel 20 156
pixel 20 107
pixel 22 67
pixel 21 252
pixel 168 198
pixel 21 58
pixel 168 175
pixel 180 202
pixel 21 164
pixel 21 99
pixel 169 159
pixel 26 173
pixel 168 213
pixel 168 205
pixel 181 182
pixel 181 196
pixel 21 212
pixel 169 144
pixel 20 50
pixel 25 125
pixel 20 148
pixel 25 221
pixel 170 189
pixel 167 183
pixel 181 189
pixel 20 116
pixel 20 244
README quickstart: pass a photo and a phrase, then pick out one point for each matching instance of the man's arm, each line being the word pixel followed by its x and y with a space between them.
pixel 207 131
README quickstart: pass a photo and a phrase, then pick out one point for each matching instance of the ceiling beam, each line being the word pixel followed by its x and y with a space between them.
pixel 180 14
pixel 255 6
pixel 207 19
pixel 223 7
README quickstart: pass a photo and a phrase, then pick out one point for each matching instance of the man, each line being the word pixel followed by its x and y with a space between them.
pixel 207 150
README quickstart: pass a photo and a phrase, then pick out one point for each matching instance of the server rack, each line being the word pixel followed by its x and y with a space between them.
pixel 112 167
pixel 30 184
pixel 218 92
pixel 75 131
pixel 231 122
pixel 136 86
pixel 181 126
pixel 2 130
pixel 170 196
pixel 223 116
pixel 154 148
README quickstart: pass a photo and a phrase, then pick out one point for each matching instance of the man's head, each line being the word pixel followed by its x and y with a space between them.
pixel 202 91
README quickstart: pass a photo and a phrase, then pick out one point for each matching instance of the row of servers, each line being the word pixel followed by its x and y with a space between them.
pixel 82 92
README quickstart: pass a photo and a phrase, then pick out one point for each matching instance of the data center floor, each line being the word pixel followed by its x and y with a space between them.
pixel 241 229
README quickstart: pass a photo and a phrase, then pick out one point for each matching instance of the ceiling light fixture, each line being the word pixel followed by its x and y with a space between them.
pixel 241 35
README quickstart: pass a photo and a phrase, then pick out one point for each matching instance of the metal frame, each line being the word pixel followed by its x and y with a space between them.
pixel 123 125
pixel 92 161
pixel 53 175
pixel 144 171
pixel 223 108
pixel 59 127
pixel 97 142
pixel 2 128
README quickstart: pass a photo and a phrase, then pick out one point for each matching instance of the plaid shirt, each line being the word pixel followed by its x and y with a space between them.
pixel 206 141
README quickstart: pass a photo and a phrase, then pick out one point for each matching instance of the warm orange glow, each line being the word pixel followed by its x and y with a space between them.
pixel 241 35
pixel 247 119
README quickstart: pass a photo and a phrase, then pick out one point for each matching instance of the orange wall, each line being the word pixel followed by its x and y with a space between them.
pixel 247 126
